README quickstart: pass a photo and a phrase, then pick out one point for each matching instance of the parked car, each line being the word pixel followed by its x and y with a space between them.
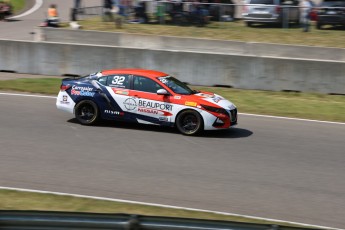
pixel 270 11
pixel 144 97
pixel 328 15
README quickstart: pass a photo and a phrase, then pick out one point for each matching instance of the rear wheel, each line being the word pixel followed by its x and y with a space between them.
pixel 86 112
pixel 189 122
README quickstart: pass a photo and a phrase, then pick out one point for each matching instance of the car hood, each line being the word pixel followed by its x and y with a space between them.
pixel 211 99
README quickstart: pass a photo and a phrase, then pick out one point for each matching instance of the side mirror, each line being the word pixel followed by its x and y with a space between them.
pixel 162 92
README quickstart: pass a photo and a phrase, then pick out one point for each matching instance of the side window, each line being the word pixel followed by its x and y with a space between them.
pixel 119 81
pixel 146 85
pixel 102 80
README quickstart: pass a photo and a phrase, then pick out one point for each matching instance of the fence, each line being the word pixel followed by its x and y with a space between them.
pixel 197 13
pixel 66 220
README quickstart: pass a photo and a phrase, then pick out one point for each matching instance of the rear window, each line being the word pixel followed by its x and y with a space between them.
pixel 266 2
pixel 333 3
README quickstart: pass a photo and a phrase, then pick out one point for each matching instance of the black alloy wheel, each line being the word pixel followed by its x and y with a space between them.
pixel 189 122
pixel 86 112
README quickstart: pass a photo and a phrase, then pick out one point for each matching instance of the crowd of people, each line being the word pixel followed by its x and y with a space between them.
pixel 181 12
pixel 197 12
pixel 5 10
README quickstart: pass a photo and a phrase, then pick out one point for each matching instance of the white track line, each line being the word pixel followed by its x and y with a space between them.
pixel 26 95
pixel 37 5
pixel 246 114
pixel 165 206
pixel 292 118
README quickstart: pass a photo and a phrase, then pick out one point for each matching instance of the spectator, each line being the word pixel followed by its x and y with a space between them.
pixel 108 6
pixel 306 8
pixel 140 12
pixel 77 4
pixel 52 17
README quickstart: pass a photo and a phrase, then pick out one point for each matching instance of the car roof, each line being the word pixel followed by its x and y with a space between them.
pixel 139 72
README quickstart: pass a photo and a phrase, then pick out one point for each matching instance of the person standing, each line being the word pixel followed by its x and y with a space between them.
pixel 77 4
pixel 306 8
pixel 53 17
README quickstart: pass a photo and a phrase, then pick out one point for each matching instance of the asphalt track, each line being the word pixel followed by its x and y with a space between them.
pixel 21 28
pixel 273 168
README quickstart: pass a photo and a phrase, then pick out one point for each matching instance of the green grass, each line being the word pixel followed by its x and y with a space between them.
pixel 18 5
pixel 236 31
pixel 300 105
pixel 43 85
pixel 15 200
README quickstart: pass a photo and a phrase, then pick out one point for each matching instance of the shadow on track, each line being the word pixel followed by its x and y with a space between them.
pixel 226 133
pixel 13 20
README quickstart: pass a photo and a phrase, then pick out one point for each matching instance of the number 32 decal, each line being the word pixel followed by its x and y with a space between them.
pixel 118 80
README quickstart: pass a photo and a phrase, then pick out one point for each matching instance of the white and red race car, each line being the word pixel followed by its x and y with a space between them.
pixel 147 97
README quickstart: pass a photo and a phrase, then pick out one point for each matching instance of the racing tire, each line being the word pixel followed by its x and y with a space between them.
pixel 86 112
pixel 189 122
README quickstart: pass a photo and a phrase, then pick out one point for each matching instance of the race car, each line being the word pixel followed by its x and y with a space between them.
pixel 146 97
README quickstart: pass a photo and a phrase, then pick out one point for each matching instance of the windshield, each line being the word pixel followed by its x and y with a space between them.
pixel 176 85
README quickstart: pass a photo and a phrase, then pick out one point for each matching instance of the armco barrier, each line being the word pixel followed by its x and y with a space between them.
pixel 239 71
pixel 13 220
pixel 189 44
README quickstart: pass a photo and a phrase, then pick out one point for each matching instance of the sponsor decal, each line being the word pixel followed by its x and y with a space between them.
pixel 205 95
pixel 155 105
pixel 190 103
pixel 118 81
pixel 164 79
pixel 177 97
pixel 112 112
pixel 130 104
pixel 122 92
pixel 64 100
pixel 217 99
pixel 146 110
pixel 82 91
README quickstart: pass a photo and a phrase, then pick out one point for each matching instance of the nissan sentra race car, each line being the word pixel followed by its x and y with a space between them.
pixel 147 97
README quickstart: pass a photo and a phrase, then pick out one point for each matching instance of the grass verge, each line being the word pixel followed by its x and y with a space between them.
pixel 237 31
pixel 299 105
pixel 18 5
pixel 15 200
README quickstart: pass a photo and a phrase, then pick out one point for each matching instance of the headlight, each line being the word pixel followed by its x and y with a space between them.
pixel 215 110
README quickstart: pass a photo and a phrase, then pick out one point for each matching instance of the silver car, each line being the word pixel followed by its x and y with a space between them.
pixel 270 11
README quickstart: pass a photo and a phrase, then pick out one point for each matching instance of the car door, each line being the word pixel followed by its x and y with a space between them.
pixel 117 90
pixel 146 104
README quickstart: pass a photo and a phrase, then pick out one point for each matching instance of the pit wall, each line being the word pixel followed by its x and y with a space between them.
pixel 238 71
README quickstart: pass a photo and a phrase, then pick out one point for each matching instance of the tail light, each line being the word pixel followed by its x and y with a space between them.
pixel 278 9
pixel 64 87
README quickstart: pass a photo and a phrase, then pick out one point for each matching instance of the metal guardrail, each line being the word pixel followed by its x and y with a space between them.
pixel 70 220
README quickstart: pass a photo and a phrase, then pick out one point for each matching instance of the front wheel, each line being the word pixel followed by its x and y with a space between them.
pixel 189 122
pixel 86 112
